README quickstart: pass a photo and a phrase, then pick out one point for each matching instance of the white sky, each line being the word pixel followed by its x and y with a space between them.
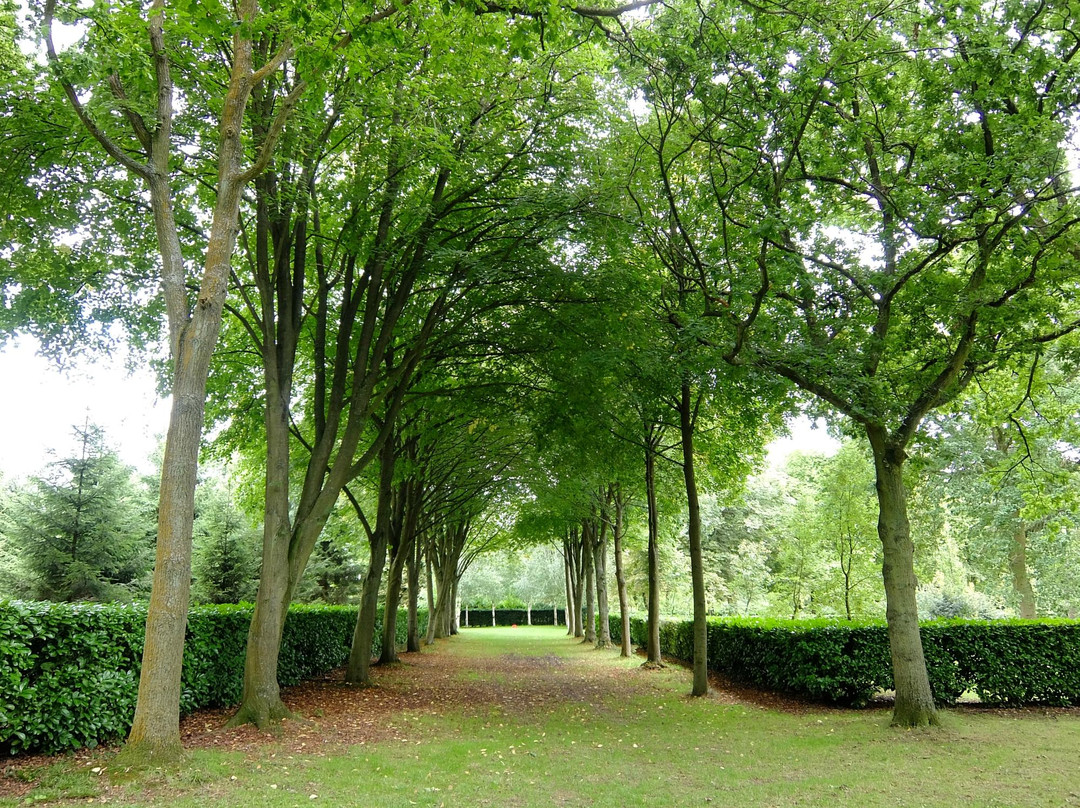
pixel 41 404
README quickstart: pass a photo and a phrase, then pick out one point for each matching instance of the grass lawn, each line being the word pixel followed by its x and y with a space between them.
pixel 527 717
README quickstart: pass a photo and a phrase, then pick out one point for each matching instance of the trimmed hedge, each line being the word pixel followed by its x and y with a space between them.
pixel 69 674
pixel 541 616
pixel 1010 662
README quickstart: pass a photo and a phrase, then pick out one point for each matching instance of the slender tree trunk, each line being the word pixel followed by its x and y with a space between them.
pixel 432 614
pixel 388 653
pixel 652 646
pixel 358 670
pixel 914 700
pixel 620 575
pixel 588 539
pixel 569 588
pixel 697 572
pixel 603 632
pixel 1018 567
pixel 155 731
pixel 454 613
pixel 413 568
pixel 405 521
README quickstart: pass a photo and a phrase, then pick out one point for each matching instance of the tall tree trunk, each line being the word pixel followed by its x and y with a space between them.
pixel 652 645
pixel 412 644
pixel 603 632
pixel 588 539
pixel 358 670
pixel 914 701
pixel 1018 567
pixel 697 573
pixel 403 549
pixel 620 575
pixel 432 615
pixel 454 613
pixel 569 587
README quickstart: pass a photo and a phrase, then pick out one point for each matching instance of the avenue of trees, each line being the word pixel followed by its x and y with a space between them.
pixel 448 283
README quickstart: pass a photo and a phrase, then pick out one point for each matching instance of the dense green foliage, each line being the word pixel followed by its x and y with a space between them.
pixel 541 616
pixel 79 531
pixel 1010 662
pixel 69 673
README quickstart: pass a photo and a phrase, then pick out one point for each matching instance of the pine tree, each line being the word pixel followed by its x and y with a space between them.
pixel 76 530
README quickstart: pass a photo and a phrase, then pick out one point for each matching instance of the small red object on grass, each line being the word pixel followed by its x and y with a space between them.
pixel 513 625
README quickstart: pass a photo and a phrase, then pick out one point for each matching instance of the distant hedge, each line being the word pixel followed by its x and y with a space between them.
pixel 69 674
pixel 541 616
pixel 1010 662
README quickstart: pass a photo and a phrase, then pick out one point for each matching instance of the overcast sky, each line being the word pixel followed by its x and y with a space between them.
pixel 41 404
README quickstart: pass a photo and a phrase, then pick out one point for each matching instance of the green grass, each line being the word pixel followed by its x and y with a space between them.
pixel 621 737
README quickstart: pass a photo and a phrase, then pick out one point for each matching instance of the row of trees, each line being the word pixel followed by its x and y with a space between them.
pixel 484 255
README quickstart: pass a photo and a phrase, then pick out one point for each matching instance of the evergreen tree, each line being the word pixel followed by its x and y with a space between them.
pixel 76 530
pixel 225 563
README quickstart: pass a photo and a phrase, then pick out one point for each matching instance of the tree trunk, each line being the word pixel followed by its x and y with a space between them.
pixel 358 670
pixel 603 632
pixel 570 605
pixel 155 731
pixel 388 653
pixel 528 614
pixel 413 567
pixel 697 573
pixel 914 701
pixel 432 613
pixel 1018 567
pixel 454 612
pixel 620 576
pixel 652 645
pixel 588 538
pixel 405 523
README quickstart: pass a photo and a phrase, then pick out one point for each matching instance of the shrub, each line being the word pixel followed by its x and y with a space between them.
pixel 1001 661
pixel 541 616
pixel 69 674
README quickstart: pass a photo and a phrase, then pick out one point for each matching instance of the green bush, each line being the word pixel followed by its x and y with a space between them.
pixel 69 674
pixel 1001 661
pixel 541 616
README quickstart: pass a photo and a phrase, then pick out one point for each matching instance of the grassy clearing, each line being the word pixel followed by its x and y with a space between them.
pixel 583 728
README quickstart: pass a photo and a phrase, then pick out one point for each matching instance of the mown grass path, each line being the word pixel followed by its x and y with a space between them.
pixel 528 717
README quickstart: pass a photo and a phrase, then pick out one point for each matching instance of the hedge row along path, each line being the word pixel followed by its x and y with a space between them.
pixel 489 689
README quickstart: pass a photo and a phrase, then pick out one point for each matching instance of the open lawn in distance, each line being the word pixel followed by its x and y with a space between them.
pixel 528 717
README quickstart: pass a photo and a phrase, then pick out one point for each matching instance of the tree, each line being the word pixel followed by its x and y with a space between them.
pixel 77 531
pixel 859 236
pixel 224 560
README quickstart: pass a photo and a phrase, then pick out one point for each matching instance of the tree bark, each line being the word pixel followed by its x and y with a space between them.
pixel 697 573
pixel 588 540
pixel 405 524
pixel 412 644
pixel 570 604
pixel 620 575
pixel 652 645
pixel 914 700
pixel 358 670
pixel 1018 568
pixel 603 632
pixel 432 615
